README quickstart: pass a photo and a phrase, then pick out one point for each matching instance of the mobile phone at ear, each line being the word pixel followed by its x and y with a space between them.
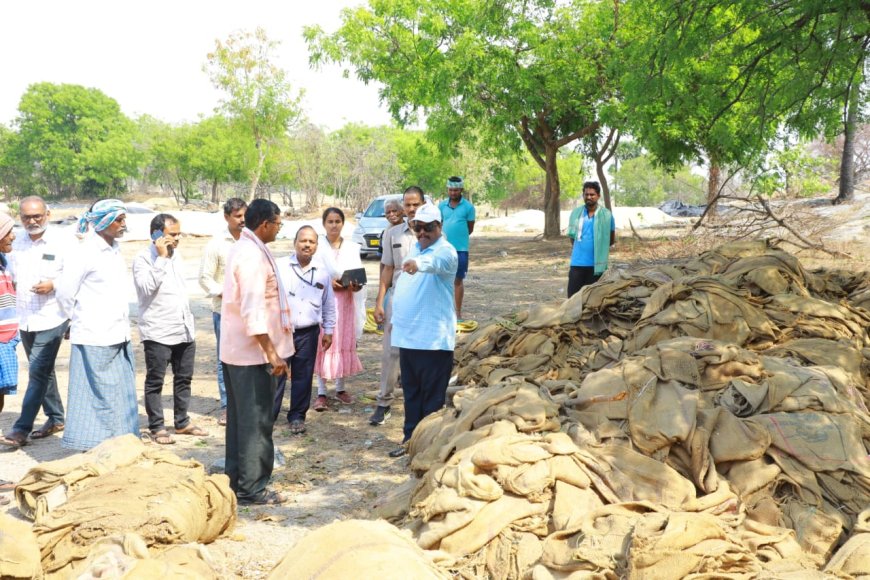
pixel 156 235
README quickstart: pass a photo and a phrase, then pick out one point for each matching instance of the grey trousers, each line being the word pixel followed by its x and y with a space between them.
pixel 250 451
pixel 389 359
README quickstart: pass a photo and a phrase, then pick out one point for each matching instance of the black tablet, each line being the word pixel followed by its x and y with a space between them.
pixel 357 275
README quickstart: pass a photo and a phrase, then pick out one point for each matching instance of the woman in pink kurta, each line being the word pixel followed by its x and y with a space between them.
pixel 341 359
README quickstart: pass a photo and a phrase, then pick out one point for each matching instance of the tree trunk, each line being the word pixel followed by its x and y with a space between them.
pixel 255 179
pixel 214 191
pixel 713 177
pixel 847 161
pixel 552 191
pixel 602 179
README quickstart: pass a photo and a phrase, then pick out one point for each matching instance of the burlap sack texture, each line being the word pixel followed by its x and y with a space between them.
pixel 128 557
pixel 19 552
pixel 703 419
pixel 122 486
pixel 357 549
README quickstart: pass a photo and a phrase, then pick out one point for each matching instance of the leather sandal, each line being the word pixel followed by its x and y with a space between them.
pixel 50 428
pixel 191 429
pixel 162 437
pixel 15 440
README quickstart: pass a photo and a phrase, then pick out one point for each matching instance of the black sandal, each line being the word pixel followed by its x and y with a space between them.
pixel 266 498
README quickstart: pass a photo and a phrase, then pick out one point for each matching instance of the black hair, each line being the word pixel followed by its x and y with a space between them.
pixel 296 237
pixel 234 204
pixel 330 210
pixel 592 185
pixel 160 220
pixel 415 189
pixel 260 210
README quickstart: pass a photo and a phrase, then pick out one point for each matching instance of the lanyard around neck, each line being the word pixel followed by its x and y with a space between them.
pixel 297 269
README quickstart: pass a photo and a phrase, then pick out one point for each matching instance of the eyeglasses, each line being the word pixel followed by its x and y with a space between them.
pixel 34 217
pixel 420 228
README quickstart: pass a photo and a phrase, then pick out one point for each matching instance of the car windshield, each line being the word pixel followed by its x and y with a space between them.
pixel 375 209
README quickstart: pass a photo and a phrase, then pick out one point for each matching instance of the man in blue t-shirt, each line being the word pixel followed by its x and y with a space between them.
pixel 457 217
pixel 592 230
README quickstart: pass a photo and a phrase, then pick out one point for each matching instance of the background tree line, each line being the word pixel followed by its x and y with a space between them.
pixel 526 98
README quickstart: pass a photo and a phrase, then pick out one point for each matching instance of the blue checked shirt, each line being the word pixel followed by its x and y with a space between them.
pixel 424 316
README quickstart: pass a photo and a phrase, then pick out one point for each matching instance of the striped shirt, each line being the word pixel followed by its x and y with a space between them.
pixel 8 311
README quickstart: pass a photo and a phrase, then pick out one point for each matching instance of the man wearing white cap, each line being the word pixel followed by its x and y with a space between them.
pixel 92 292
pixel 424 320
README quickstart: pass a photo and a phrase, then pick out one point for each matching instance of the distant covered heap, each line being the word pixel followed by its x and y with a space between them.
pixel 707 417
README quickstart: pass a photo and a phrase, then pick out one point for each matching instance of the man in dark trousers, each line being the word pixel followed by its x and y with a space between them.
pixel 592 231
pixel 256 338
pixel 424 320
pixel 312 306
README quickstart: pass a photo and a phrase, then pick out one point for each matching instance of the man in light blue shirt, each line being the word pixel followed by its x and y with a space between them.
pixel 424 320
pixel 458 215
pixel 592 231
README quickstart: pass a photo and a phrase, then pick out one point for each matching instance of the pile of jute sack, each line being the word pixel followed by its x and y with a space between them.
pixel 704 418
pixel 701 419
pixel 123 509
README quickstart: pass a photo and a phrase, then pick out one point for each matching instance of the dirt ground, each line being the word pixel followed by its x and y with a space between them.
pixel 340 467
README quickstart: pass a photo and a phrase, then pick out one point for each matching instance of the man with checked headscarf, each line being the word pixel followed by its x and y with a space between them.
pixel 92 292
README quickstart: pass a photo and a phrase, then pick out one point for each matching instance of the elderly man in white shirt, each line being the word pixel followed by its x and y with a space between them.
pixel 165 327
pixel 35 263
pixel 92 293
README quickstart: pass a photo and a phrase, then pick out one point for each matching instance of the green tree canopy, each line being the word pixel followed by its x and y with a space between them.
pixel 258 95
pixel 719 78
pixel 74 141
pixel 517 72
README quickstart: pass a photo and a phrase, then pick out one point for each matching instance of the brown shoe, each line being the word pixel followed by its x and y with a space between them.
pixel 222 418
pixel 320 404
pixel 344 397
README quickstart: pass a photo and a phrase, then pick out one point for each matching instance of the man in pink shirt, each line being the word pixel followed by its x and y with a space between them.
pixel 256 338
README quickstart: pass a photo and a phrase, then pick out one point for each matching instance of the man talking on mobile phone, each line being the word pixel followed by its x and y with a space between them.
pixel 166 328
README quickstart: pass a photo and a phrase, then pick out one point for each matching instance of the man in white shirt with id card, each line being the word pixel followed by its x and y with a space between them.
pixel 35 263
pixel 312 307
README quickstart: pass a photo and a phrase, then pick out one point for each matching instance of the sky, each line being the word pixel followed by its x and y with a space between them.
pixel 148 55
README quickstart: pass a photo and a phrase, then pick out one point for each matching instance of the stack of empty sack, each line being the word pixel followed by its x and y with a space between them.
pixel 121 509
pixel 706 418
